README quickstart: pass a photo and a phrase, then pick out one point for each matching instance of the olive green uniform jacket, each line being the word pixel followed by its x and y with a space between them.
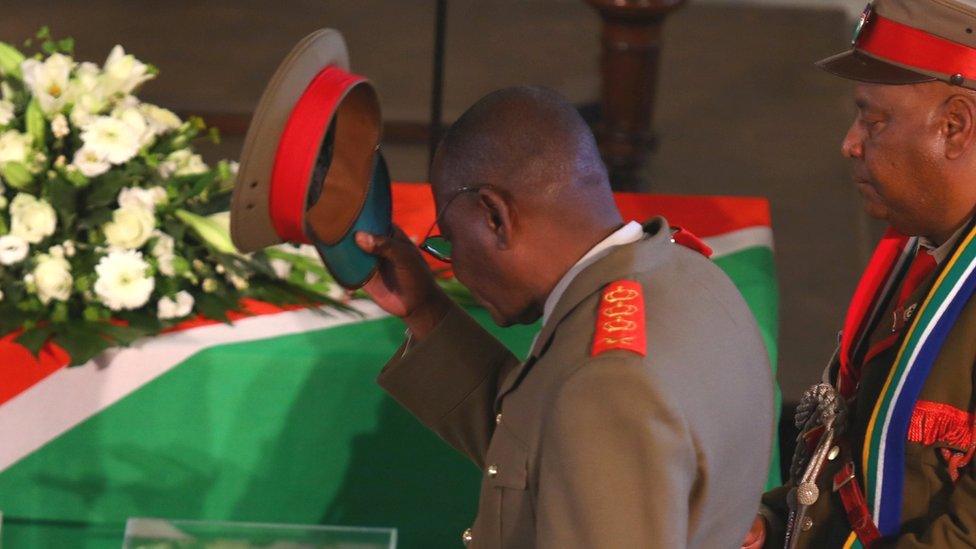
pixel 937 511
pixel 613 451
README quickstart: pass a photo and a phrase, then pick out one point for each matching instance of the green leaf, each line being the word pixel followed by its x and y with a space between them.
pixel 63 197
pixel 212 306
pixel 105 190
pixel 35 338
pixel 36 124
pixel 123 335
pixel 10 60
pixel 76 178
pixel 16 175
pixel 82 341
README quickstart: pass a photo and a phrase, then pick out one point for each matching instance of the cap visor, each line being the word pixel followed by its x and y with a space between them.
pixel 854 65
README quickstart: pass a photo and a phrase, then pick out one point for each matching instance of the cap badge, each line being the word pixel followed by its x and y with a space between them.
pixel 862 22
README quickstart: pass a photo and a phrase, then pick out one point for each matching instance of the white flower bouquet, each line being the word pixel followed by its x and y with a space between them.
pixel 111 226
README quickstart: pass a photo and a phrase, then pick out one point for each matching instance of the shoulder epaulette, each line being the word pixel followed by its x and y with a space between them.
pixel 620 320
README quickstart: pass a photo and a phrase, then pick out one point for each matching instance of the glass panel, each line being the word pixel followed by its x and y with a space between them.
pixel 148 533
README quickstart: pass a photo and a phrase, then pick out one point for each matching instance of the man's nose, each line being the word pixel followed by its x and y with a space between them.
pixel 853 144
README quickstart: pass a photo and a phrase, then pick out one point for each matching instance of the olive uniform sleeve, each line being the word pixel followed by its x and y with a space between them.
pixel 618 464
pixel 956 527
pixel 449 381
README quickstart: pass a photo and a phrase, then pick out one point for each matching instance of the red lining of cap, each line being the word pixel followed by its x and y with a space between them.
pixel 298 150
pixel 909 46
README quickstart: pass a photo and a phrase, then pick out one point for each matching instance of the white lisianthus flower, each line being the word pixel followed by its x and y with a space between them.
pixel 111 138
pixel 123 281
pixel 48 81
pixel 59 126
pixel 86 91
pixel 182 162
pixel 13 249
pixel 131 115
pixel 6 112
pixel 130 227
pixel 52 278
pixel 142 198
pixel 90 163
pixel 31 218
pixel 15 146
pixel 123 72
pixel 179 307
pixel 160 120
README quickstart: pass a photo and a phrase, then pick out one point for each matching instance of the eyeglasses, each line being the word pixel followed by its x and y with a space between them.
pixel 435 244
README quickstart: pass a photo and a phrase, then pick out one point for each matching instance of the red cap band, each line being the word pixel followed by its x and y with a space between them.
pixel 893 41
pixel 298 149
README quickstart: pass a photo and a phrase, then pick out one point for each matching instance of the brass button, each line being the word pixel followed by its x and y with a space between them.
pixel 492 471
pixel 498 419
pixel 834 452
pixel 466 537
pixel 807 524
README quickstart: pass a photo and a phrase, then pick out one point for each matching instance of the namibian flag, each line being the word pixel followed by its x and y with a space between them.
pixel 277 418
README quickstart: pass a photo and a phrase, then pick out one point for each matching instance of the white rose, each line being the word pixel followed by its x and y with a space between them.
pixel 15 146
pixel 90 163
pixel 182 162
pixel 6 112
pixel 48 80
pixel 175 308
pixel 123 72
pixel 130 227
pixel 122 280
pixel 31 218
pixel 52 278
pixel 59 126
pixel 111 138
pixel 160 120
pixel 138 197
pixel 13 249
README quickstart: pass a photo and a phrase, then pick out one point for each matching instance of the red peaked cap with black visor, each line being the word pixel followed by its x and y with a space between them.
pixel 312 95
pixel 911 41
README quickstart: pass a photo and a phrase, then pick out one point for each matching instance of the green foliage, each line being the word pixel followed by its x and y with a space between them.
pixel 10 60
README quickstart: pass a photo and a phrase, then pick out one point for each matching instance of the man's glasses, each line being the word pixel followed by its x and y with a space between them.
pixel 435 244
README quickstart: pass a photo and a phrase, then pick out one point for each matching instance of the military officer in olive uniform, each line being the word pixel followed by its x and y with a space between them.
pixel 885 456
pixel 643 415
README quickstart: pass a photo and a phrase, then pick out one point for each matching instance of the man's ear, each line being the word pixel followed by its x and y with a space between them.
pixel 498 215
pixel 960 124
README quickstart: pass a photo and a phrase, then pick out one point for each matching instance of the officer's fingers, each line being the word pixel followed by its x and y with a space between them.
pixel 374 244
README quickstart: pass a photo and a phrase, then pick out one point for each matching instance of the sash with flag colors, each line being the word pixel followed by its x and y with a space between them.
pixel 883 459
pixel 277 418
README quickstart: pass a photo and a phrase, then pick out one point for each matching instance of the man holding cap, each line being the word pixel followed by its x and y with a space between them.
pixel 886 447
pixel 636 420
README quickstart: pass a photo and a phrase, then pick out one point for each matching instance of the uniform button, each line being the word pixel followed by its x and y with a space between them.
pixel 832 455
pixel 498 419
pixel 807 524
pixel 466 537
pixel 492 471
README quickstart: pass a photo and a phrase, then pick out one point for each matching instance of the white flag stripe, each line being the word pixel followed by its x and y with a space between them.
pixel 741 239
pixel 28 421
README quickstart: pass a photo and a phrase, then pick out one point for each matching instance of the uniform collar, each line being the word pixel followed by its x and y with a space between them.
pixel 628 234
pixel 617 261
pixel 942 251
